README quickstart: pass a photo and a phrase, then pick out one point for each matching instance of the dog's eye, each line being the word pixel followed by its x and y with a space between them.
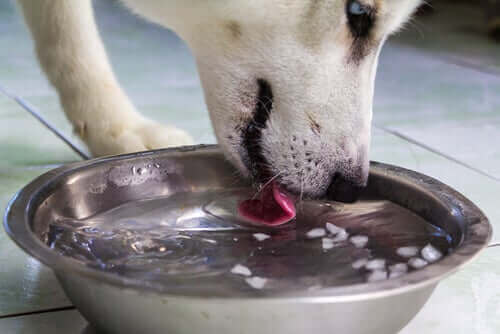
pixel 355 8
pixel 360 18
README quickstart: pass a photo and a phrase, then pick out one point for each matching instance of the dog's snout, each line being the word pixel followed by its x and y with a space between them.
pixel 343 189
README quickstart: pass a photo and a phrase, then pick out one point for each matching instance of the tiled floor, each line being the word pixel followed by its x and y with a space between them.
pixel 438 83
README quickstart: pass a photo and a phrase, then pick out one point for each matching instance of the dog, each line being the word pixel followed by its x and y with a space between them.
pixel 288 83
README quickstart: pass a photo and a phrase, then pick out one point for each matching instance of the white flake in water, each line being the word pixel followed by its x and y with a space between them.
pixel 360 241
pixel 316 233
pixel 143 246
pixel 328 243
pixel 377 275
pixel 256 282
pixel 359 263
pixel 333 229
pixel 407 252
pixel 261 236
pixel 210 241
pixel 341 236
pixel 376 264
pixel 417 263
pixel 241 270
pixel 431 254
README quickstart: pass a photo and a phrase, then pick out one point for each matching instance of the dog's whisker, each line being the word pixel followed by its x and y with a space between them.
pixel 265 185
pixel 301 190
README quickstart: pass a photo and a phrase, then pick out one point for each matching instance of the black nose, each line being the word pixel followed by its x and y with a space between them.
pixel 344 190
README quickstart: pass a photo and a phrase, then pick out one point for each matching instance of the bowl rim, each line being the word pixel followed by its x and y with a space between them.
pixel 476 237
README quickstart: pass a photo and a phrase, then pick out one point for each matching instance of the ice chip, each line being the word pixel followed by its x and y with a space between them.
pixel 399 267
pixel 359 241
pixel 431 254
pixel 261 236
pixel 256 282
pixel 341 236
pixel 241 270
pixel 333 229
pixel 328 243
pixel 417 263
pixel 376 264
pixel 407 252
pixel 316 233
pixel 377 275
pixel 359 263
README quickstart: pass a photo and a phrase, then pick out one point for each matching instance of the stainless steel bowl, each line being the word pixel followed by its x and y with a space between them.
pixel 117 304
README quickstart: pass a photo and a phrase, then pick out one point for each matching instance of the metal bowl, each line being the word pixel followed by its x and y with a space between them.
pixel 116 304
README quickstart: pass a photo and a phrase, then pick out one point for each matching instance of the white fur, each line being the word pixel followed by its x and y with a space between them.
pixel 303 57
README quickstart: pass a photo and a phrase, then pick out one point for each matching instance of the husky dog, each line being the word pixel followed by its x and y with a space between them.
pixel 288 83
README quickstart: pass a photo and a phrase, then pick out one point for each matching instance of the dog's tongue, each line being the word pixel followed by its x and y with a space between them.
pixel 274 207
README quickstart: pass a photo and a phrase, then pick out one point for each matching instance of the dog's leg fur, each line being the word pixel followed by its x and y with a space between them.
pixel 71 53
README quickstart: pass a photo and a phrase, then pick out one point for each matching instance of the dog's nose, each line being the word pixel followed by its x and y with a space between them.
pixel 344 190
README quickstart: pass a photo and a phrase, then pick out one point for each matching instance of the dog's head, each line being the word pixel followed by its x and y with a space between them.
pixel 289 84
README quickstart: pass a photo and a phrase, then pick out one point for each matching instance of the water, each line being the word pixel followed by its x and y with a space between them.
pixel 196 244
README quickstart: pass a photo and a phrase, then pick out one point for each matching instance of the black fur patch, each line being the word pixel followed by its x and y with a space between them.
pixel 252 134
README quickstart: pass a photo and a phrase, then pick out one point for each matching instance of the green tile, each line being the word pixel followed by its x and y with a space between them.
pixel 479 189
pixel 25 284
pixel 467 302
pixel 451 108
pixel 456 31
pixel 64 322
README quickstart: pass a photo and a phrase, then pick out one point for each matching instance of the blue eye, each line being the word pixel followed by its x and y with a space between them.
pixel 355 8
pixel 360 17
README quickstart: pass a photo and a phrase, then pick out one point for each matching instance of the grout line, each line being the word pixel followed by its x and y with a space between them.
pixel 441 154
pixel 450 59
pixel 57 309
pixel 32 110
pixel 457 61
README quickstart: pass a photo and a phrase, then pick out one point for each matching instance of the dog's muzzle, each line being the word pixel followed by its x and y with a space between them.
pixel 342 189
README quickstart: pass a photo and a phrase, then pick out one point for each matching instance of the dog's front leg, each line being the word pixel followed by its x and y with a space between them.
pixel 71 53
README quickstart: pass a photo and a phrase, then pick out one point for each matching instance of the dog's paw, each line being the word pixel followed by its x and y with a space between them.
pixel 140 135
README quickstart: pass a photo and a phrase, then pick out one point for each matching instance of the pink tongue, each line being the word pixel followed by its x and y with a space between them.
pixel 274 207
